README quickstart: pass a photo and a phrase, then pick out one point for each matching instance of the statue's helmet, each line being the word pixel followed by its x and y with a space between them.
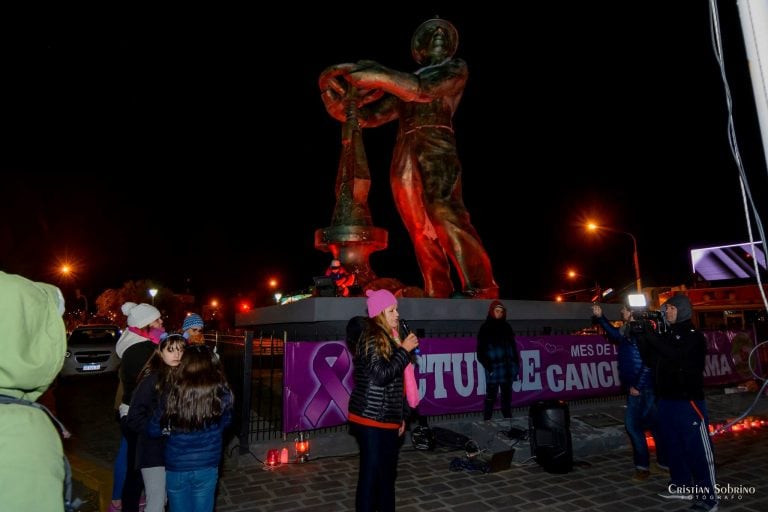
pixel 423 35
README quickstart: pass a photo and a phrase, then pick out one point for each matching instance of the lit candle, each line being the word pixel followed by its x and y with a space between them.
pixel 273 457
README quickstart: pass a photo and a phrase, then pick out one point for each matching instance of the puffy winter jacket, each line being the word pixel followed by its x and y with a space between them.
pixel 378 392
pixel 198 449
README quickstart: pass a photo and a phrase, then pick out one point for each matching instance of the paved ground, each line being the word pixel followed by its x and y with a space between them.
pixel 599 481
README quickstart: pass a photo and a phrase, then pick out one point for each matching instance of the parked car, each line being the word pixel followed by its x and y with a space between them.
pixel 91 349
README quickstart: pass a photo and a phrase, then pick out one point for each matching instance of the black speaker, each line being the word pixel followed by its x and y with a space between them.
pixel 549 433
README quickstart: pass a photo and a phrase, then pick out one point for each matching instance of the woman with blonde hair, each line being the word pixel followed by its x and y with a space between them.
pixel 377 406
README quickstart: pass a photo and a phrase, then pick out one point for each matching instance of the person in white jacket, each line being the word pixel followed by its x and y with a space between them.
pixel 134 348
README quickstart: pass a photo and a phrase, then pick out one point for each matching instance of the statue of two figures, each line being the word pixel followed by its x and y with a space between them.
pixel 425 174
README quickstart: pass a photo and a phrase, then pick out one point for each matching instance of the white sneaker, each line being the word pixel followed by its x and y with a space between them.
pixel 666 494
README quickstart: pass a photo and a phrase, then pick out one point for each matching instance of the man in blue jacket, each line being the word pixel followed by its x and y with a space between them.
pixel 637 381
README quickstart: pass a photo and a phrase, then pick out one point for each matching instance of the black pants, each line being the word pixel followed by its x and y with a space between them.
pixel 379 450
pixel 134 483
pixel 491 390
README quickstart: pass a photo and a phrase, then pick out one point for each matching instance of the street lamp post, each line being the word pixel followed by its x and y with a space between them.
pixel 152 293
pixel 638 282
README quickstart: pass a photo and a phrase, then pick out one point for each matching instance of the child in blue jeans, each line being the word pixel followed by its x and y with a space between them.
pixel 195 410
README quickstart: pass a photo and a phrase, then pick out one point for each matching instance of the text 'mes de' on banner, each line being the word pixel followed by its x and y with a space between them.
pixel 318 376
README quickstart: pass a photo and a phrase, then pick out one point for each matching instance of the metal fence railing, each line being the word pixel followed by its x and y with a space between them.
pixel 253 363
pixel 254 368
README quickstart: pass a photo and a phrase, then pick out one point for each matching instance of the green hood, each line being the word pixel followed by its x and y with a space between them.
pixel 32 336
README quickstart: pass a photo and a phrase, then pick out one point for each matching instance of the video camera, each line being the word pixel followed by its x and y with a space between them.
pixel 645 319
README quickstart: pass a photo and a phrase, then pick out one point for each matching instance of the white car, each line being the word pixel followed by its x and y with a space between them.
pixel 91 349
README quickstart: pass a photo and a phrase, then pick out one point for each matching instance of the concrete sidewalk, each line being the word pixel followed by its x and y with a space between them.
pixel 601 479
pixel 596 426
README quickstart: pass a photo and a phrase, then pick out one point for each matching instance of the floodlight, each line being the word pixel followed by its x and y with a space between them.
pixel 636 300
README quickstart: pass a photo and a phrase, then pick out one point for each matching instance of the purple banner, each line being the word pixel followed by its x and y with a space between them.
pixel 317 382
pixel 451 380
pixel 727 357
pixel 318 375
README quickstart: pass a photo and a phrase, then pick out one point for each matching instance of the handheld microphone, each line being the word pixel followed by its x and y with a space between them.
pixel 406 330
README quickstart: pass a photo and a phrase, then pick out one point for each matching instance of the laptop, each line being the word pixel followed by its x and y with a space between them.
pixel 500 461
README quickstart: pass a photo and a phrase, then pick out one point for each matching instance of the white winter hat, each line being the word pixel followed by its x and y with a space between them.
pixel 140 315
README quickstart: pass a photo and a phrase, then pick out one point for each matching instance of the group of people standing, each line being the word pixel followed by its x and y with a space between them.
pixel 662 372
pixel 173 407
pixel 174 403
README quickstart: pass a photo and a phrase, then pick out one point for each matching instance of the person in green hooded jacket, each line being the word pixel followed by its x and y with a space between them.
pixel 32 343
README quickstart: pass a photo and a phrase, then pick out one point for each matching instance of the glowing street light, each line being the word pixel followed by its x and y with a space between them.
pixel 591 226
pixel 152 293
pixel 67 270
pixel 573 275
pixel 278 296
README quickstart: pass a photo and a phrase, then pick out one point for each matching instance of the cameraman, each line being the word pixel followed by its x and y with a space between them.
pixel 637 382
pixel 677 358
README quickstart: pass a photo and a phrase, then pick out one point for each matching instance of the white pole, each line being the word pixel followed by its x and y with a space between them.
pixel 754 27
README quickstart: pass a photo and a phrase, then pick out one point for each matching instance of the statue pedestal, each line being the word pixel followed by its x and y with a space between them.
pixel 325 318
pixel 353 246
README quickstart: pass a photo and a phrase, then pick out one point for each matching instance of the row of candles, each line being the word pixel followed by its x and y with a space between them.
pixel 276 457
pixel 748 424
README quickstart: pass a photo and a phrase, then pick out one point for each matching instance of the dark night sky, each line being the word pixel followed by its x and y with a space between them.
pixel 571 110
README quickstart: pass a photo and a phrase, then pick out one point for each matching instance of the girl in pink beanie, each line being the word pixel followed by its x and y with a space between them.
pixel 378 301
pixel 377 406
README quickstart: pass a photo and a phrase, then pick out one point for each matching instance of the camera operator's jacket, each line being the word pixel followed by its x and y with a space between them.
pixel 677 358
pixel 378 398
pixel 632 371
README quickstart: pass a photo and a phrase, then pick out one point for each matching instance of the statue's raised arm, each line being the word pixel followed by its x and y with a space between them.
pixel 425 174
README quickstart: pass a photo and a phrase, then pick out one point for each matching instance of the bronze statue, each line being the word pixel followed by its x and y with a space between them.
pixel 425 174
pixel 352 238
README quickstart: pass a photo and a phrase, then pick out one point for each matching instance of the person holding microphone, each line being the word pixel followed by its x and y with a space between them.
pixel 377 405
